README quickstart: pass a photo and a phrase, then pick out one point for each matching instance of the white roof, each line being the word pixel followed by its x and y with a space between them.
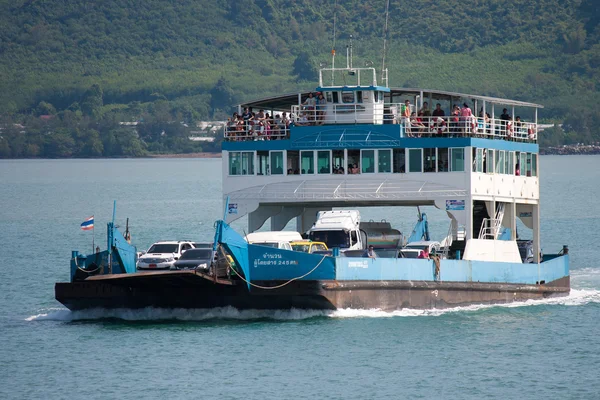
pixel 273 236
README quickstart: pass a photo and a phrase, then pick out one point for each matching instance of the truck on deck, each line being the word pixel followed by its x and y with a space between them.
pixel 345 230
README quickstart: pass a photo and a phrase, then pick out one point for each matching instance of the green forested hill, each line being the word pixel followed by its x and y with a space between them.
pixel 92 64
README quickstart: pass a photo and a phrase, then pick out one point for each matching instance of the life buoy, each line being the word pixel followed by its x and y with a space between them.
pixel 439 126
pixel 473 125
pixel 509 129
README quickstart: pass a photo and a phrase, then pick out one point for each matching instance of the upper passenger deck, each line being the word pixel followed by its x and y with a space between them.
pixel 360 104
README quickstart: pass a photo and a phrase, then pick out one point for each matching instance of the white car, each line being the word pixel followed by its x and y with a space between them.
pixel 162 255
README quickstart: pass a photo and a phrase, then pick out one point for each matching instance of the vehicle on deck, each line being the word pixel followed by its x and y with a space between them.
pixel 162 255
pixel 432 246
pixel 526 250
pixel 409 253
pixel 308 246
pixel 344 229
pixel 196 259
pixel 276 239
pixel 203 245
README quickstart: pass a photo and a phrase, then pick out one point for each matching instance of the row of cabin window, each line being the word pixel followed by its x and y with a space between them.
pixel 306 162
pixel 504 162
pixel 354 96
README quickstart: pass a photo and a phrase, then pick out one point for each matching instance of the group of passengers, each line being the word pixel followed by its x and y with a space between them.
pixel 460 123
pixel 312 111
pixel 257 126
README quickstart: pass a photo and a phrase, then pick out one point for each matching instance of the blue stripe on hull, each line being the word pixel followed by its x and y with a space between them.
pixel 450 270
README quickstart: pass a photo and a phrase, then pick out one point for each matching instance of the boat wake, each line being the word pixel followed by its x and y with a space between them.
pixel 577 297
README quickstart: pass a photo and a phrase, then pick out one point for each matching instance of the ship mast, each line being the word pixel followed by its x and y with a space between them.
pixel 385 34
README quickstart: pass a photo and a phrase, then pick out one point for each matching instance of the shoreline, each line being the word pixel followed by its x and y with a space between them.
pixel 185 155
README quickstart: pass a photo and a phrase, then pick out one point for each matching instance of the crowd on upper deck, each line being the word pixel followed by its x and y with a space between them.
pixel 461 122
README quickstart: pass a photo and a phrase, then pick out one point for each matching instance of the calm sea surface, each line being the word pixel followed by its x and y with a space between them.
pixel 534 350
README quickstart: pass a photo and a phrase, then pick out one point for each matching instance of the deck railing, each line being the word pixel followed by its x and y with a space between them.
pixel 410 127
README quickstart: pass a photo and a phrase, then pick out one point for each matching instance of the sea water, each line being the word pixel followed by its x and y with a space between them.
pixel 530 350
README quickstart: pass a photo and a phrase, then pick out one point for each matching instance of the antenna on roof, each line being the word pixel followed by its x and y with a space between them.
pixel 333 46
pixel 349 54
pixel 385 34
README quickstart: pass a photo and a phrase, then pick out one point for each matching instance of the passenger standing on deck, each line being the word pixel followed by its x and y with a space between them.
pixel 454 120
pixel 438 112
pixel 425 114
pixel 465 118
pixel 321 104
pixel 370 252
pixel 310 104
pixel 246 115
pixel 405 114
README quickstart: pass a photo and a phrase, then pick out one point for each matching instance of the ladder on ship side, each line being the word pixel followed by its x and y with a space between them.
pixel 490 227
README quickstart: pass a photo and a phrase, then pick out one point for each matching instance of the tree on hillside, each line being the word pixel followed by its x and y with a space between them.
pixel 45 109
pixel 222 96
pixel 92 101
pixel 304 68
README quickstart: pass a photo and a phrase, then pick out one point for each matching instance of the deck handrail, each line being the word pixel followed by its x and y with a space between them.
pixel 415 126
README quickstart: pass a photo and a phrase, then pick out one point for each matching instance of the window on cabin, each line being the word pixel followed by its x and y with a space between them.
pixel 415 160
pixel 511 163
pixel 359 96
pixel 528 170
pixel 241 163
pixel 328 97
pixel 507 162
pixel 399 161
pixel 353 161
pixel 323 162
pixel 457 160
pixel 235 163
pixel 277 163
pixel 443 162
pixel 293 162
pixel 523 163
pixel 262 158
pixel 499 161
pixel 336 97
pixel 384 162
pixel 347 97
pixel 368 161
pixel 534 160
pixel 490 161
pixel 339 162
pixel 429 160
pixel 478 160
pixel 247 163
pixel 307 162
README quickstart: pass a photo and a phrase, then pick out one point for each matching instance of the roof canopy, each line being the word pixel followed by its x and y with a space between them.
pixel 285 101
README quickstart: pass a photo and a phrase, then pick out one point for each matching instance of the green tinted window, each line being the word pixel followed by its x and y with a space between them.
pixel 324 162
pixel 415 160
pixel 367 161
pixel 277 163
pixel 384 164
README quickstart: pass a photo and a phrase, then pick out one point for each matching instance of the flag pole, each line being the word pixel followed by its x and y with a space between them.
pixel 93 237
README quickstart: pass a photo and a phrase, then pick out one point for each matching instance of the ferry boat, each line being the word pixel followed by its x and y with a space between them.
pixel 361 144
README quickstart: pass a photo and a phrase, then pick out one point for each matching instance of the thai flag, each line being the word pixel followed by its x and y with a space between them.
pixel 88 224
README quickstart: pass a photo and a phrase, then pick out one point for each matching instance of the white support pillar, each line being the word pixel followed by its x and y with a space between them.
pixel 493 127
pixel 536 233
pixel 307 218
pixel 345 165
pixel 513 220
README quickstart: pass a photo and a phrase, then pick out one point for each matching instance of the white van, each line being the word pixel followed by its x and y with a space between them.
pixel 276 239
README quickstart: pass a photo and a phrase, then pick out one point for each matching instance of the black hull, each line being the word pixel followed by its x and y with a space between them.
pixel 186 289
